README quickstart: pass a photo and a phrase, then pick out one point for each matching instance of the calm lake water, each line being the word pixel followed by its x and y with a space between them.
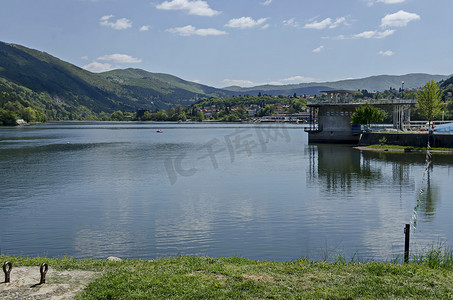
pixel 96 189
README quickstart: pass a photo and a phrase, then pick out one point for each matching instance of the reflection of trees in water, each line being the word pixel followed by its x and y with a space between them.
pixel 402 162
pixel 337 167
pixel 430 198
pixel 340 168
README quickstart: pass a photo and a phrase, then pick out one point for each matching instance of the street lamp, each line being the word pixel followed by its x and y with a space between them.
pixel 402 89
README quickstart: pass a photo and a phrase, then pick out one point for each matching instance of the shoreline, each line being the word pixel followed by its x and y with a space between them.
pixel 203 277
pixel 401 150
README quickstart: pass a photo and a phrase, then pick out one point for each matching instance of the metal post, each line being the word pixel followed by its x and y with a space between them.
pixel 43 271
pixel 407 230
pixel 7 267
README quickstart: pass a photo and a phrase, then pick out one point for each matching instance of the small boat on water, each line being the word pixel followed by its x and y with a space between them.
pixel 159 131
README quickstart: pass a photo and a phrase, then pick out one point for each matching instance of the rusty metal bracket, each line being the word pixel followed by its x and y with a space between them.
pixel 7 271
pixel 43 270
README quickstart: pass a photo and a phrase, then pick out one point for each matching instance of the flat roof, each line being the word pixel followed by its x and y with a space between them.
pixel 378 103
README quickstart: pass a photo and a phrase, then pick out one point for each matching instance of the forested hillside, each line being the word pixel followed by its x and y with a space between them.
pixel 49 88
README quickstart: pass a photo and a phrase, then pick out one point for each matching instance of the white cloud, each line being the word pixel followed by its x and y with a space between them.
pixel 338 22
pixel 119 24
pixel 120 58
pixel 386 53
pixel 106 18
pixel 338 37
pixel 238 82
pixel 266 3
pixel 246 22
pixel 372 2
pixel 144 28
pixel 248 83
pixel 197 7
pixel 399 19
pixel 366 34
pixel 374 34
pixel 291 22
pixel 191 30
pixel 326 23
pixel 319 49
pixel 97 67
pixel 296 79
pixel 319 25
pixel 85 57
pixel 391 1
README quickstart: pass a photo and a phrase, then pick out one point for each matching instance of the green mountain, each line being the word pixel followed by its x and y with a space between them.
pixel 60 85
pixel 60 90
pixel 167 90
pixel 373 83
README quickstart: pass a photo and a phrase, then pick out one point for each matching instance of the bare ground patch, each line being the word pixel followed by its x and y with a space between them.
pixel 261 278
pixel 59 284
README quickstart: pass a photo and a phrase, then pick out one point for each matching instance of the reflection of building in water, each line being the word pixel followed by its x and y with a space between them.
pixel 337 168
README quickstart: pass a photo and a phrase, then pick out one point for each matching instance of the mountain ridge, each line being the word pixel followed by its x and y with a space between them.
pixel 60 90
pixel 370 83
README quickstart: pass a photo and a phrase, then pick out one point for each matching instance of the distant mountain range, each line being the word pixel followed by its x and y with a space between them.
pixel 46 82
pixel 373 83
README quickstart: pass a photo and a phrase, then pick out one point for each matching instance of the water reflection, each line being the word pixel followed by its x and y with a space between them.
pixel 408 166
pixel 430 198
pixel 342 169
pixel 337 168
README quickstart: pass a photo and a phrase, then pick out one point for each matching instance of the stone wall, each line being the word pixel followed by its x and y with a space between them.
pixel 408 139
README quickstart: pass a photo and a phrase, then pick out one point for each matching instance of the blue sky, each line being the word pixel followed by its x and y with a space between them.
pixel 239 42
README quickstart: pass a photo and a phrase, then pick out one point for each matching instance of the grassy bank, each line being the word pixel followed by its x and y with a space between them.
pixel 402 148
pixel 428 277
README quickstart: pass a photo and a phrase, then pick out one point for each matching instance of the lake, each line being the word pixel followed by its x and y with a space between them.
pixel 97 189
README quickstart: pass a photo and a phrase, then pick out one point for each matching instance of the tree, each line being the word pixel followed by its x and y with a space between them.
pixel 117 116
pixel 161 115
pixel 200 116
pixel 367 114
pixel 29 114
pixel 298 105
pixel 7 118
pixel 146 116
pixel 429 102
pixel 268 110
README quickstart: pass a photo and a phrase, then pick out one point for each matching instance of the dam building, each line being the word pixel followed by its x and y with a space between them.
pixel 331 121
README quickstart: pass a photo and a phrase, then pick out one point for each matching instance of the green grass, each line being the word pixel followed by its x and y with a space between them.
pixel 428 276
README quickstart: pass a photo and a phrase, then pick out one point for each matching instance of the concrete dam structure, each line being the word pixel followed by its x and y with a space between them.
pixel 331 121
